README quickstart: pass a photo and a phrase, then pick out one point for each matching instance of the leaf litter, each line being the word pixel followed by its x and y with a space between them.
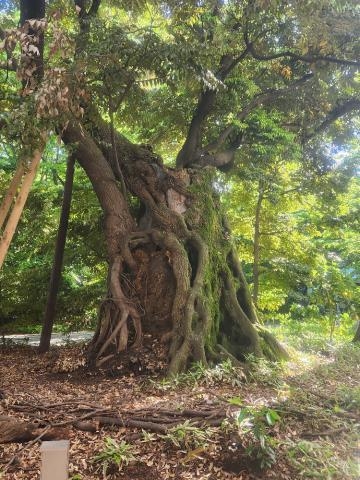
pixel 220 423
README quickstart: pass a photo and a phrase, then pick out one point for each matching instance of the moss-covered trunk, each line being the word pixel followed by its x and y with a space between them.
pixel 357 333
pixel 173 270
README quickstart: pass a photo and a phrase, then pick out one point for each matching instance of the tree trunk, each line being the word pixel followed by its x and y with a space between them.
pixel 19 205
pixel 34 9
pixel 256 251
pixel 357 333
pixel 58 259
pixel 11 193
pixel 117 310
pixel 173 271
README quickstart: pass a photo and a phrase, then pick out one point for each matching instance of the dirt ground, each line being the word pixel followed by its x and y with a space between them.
pixel 313 434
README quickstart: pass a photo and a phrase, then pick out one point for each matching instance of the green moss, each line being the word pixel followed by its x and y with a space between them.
pixel 205 215
pixel 272 349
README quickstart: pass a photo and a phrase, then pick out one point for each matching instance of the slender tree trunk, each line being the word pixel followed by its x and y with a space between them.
pixel 256 250
pixel 58 259
pixel 11 193
pixel 357 333
pixel 19 205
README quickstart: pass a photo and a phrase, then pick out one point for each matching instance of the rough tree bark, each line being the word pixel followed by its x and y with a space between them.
pixel 173 270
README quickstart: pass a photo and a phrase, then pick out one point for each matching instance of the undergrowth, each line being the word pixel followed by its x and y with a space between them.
pixel 224 373
pixel 187 436
pixel 312 335
pixel 115 455
pixel 319 459
pixel 253 426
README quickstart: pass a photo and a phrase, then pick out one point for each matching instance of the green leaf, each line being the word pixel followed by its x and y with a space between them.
pixel 272 417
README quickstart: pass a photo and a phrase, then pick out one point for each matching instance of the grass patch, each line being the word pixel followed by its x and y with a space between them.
pixel 319 459
pixel 312 335
pixel 114 456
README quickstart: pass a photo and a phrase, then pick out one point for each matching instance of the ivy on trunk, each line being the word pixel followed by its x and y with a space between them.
pixel 173 270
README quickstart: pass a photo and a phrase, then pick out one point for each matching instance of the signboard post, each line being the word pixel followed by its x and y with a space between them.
pixel 55 460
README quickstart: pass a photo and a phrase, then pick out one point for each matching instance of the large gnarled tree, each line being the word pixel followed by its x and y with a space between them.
pixel 208 67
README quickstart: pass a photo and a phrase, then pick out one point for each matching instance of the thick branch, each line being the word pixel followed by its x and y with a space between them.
pixel 92 10
pixel 192 143
pixel 84 22
pixel 301 58
pixel 220 159
pixel 228 63
pixel 205 105
pixel 94 7
pixel 339 111
pixel 118 221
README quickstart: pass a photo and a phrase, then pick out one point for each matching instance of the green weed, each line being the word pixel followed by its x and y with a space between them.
pixel 349 353
pixel 148 437
pixel 252 426
pixel 348 397
pixel 199 374
pixel 188 436
pixel 264 371
pixel 114 454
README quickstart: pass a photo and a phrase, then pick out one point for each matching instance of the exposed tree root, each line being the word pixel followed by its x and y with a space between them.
pixel 156 419
pixel 114 325
pixel 272 348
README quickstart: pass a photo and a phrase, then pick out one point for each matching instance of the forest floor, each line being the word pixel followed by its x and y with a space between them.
pixel 297 420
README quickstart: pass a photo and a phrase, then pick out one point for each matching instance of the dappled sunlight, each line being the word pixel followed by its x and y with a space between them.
pixel 191 179
pixel 325 393
pixel 300 361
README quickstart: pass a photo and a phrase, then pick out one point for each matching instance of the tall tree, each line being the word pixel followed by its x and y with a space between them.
pixel 211 69
pixel 55 278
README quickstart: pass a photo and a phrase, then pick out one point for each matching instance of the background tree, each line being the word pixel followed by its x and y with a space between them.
pixel 212 72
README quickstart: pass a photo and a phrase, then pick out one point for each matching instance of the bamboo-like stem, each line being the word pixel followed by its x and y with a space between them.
pixel 19 204
pixel 11 193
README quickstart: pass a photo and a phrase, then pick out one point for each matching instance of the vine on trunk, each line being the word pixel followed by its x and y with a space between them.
pixel 182 242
